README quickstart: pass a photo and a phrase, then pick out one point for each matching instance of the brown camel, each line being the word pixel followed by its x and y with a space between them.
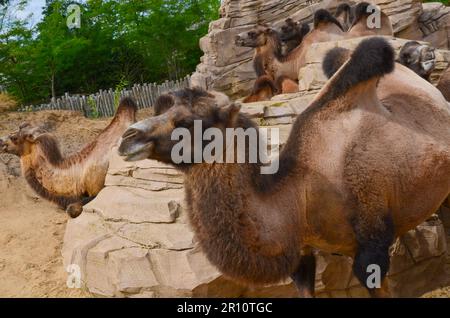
pixel 291 34
pixel 267 44
pixel 357 171
pixel 286 86
pixel 268 59
pixel 420 58
pixel 263 89
pixel 344 14
pixel 444 87
pixel 364 24
pixel 72 181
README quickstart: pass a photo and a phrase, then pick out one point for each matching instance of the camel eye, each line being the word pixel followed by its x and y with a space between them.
pixel 252 35
pixel 14 139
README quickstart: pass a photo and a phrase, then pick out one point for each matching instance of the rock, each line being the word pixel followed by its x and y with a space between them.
pixel 434 23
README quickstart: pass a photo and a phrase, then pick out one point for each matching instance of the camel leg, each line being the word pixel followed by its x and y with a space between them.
pixel 305 275
pixel 371 261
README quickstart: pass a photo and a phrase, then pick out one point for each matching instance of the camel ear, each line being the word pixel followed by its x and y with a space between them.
pixel 229 114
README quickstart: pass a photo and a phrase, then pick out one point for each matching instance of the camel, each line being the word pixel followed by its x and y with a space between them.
pixel 291 34
pixel 344 14
pixel 363 20
pixel 72 181
pixel 420 58
pixel 267 44
pixel 444 87
pixel 263 89
pixel 268 59
pixel 286 86
pixel 362 166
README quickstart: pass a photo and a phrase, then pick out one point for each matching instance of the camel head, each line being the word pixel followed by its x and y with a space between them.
pixel 418 57
pixel 178 112
pixel 20 142
pixel 256 37
pixel 291 30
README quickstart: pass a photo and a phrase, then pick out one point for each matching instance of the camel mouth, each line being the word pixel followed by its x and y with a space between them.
pixel 134 147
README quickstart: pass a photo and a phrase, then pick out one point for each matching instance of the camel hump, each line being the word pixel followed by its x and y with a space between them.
pixel 372 59
pixel 362 11
pixel 323 16
pixel 334 59
pixel 163 103
pixel 127 103
pixel 343 8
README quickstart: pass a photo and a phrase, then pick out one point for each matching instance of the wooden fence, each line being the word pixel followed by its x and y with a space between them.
pixel 104 103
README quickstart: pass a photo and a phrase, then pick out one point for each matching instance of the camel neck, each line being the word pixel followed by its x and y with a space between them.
pixel 234 223
pixel 272 46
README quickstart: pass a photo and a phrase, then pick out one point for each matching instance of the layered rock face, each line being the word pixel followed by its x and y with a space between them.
pixel 134 239
pixel 229 69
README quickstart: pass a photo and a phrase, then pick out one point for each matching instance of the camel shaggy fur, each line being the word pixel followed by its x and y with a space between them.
pixel 361 166
pixel 70 181
pixel 291 34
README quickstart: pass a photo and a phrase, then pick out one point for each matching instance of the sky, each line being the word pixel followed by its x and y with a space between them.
pixel 34 7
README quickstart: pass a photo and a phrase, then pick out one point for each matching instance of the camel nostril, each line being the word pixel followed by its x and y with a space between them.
pixel 130 133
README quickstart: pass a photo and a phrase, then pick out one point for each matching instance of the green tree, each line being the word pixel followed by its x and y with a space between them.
pixel 119 41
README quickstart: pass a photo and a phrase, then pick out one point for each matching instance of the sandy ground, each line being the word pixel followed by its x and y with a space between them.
pixel 31 229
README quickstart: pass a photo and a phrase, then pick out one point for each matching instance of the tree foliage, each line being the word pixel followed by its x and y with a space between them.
pixel 118 41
